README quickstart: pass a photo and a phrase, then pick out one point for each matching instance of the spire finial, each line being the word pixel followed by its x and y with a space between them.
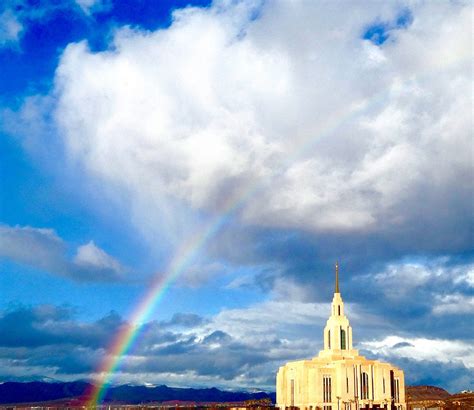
pixel 337 278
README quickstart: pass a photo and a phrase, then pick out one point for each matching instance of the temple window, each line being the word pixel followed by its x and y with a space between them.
pixel 365 386
pixel 343 339
pixel 292 392
pixel 327 389
pixel 397 391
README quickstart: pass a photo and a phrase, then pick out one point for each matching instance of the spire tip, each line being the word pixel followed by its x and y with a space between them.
pixel 337 278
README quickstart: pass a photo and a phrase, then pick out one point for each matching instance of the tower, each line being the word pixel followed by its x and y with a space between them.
pixel 338 331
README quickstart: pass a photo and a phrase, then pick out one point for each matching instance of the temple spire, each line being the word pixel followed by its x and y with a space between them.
pixel 337 278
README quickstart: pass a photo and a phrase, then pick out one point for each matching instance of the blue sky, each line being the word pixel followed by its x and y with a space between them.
pixel 336 133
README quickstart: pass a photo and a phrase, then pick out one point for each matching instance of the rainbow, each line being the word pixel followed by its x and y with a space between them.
pixel 184 257
pixel 187 252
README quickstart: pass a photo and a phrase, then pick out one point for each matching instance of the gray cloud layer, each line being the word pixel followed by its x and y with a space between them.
pixel 49 341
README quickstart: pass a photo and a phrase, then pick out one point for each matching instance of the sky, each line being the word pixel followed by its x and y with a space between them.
pixel 235 150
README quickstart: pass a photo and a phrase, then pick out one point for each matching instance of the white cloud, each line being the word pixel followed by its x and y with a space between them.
pixel 400 279
pixel 437 350
pixel 43 249
pixel 241 281
pixel 32 246
pixel 336 133
pixel 91 6
pixel 259 319
pixel 89 255
pixel 10 28
pixel 453 304
pixel 467 277
pixel 288 320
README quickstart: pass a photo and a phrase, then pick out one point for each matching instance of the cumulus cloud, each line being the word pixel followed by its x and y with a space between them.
pixel 90 256
pixel 439 350
pixel 427 361
pixel 45 250
pixel 400 279
pixel 321 134
pixel 218 103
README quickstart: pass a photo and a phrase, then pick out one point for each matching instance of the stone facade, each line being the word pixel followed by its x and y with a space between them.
pixel 339 378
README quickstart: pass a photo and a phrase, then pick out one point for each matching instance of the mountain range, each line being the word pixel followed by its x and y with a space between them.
pixel 13 392
pixel 56 393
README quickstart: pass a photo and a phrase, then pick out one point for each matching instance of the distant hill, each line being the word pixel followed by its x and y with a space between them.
pixel 431 396
pixel 415 393
pixel 35 392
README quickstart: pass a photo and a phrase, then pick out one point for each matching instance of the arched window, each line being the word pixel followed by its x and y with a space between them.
pixel 343 339
pixel 329 339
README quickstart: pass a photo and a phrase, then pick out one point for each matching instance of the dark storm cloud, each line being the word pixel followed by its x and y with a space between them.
pixel 180 347
pixel 52 326
pixel 65 359
pixel 309 258
pixel 51 341
pixel 225 359
pixel 397 280
pixel 153 334
pixel 453 375
pixel 217 354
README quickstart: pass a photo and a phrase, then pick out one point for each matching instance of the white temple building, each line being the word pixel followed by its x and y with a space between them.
pixel 339 378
